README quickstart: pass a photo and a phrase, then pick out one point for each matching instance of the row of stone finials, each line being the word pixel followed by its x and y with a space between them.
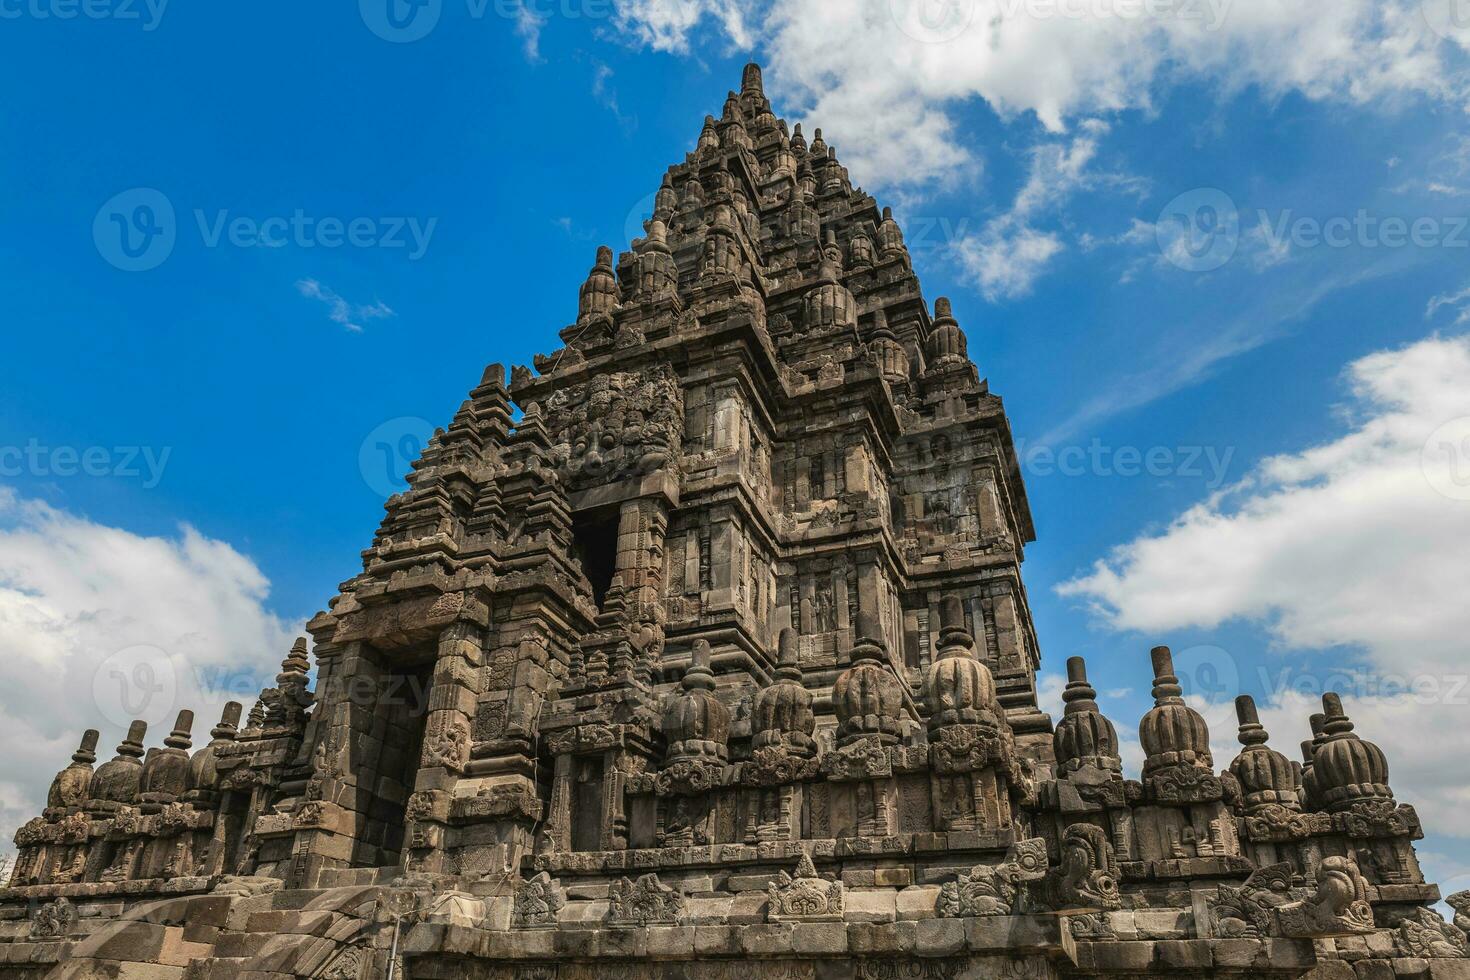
pixel 1339 768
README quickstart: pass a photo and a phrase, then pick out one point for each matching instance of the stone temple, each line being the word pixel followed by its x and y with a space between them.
pixel 717 664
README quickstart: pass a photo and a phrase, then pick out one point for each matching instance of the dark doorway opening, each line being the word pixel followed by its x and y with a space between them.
pixel 595 541
pixel 388 736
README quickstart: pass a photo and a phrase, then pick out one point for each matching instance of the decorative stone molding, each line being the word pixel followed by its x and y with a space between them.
pixel 644 902
pixel 1269 904
pixel 806 896
pixel 1339 907
pixel 994 889
pixel 538 901
pixel 1426 934
pixel 1089 872
pixel 54 920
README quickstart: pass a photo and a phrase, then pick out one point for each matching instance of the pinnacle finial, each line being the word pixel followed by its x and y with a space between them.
pixel 699 676
pixel 86 752
pixel 750 80
pixel 1336 723
pixel 788 663
pixel 1079 691
pixel 1251 730
pixel 869 644
pixel 954 636
pixel 1166 685
pixel 229 722
pixel 180 737
pixel 132 743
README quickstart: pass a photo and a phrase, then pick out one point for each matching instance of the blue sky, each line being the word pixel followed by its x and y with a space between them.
pixel 233 402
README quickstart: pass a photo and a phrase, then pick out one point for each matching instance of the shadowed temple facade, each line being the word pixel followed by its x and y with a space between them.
pixel 717 663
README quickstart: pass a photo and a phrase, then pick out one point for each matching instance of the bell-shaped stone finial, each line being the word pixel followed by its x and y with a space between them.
pixel 867 697
pixel 958 688
pixel 829 306
pixel 116 781
pixel 229 721
pixel 656 276
pixel 892 358
pixel 697 723
pixel 782 714
pixel 1084 736
pixel 203 766
pixel 890 238
pixel 1172 733
pixel 665 201
pixel 709 138
pixel 1267 778
pixel 599 293
pixel 166 773
pixel 947 345
pixel 72 784
pixel 1347 769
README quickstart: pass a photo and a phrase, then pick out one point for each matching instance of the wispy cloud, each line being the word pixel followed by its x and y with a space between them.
pixel 339 310
pixel 1011 253
pixel 1458 302
pixel 1193 355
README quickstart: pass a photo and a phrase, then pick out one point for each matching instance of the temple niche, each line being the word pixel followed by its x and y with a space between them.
pixel 717 660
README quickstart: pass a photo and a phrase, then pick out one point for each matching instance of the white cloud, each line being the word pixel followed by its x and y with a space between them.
pixel 885 77
pixel 1007 259
pixel 99 625
pixel 1009 254
pixel 666 25
pixel 1348 542
pixel 1356 544
pixel 351 316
